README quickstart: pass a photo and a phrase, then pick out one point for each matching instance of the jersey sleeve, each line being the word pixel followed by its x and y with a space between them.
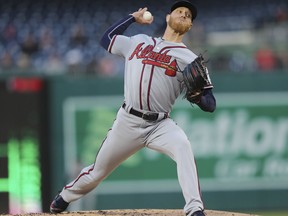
pixel 108 38
pixel 120 45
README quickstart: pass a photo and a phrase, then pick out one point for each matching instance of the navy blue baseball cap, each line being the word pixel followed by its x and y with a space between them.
pixel 186 4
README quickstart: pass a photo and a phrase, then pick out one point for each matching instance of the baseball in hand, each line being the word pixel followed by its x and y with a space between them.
pixel 147 15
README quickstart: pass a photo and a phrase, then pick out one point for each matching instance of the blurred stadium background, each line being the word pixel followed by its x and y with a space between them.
pixel 59 92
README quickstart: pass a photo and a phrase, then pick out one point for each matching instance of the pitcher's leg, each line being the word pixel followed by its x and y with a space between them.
pixel 117 147
pixel 174 143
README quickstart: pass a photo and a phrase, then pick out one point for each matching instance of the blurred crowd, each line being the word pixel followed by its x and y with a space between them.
pixel 62 36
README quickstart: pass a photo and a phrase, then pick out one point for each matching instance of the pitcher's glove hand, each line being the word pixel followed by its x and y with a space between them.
pixel 196 79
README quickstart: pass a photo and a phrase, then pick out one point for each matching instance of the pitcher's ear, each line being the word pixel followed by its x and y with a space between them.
pixel 167 17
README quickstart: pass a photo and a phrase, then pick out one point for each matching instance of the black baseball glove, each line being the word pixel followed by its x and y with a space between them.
pixel 196 79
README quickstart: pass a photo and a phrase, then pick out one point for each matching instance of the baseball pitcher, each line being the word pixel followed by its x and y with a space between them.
pixel 157 71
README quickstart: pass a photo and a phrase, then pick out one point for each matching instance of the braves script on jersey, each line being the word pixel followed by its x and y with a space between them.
pixel 152 77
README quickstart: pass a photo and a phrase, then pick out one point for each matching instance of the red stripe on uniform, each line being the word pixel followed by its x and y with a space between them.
pixel 150 81
pixel 76 180
pixel 149 88
pixel 140 86
pixel 88 172
pixel 154 41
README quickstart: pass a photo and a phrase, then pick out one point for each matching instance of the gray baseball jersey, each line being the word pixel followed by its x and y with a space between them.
pixel 153 80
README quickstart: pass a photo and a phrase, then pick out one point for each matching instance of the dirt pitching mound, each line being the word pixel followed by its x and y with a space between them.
pixel 138 212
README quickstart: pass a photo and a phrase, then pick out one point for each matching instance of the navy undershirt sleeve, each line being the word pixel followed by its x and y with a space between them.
pixel 208 101
pixel 116 29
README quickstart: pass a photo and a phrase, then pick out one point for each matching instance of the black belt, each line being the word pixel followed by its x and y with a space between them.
pixel 146 116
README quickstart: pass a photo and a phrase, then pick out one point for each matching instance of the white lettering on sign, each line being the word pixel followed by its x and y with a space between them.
pixel 235 133
pixel 274 167
pixel 236 168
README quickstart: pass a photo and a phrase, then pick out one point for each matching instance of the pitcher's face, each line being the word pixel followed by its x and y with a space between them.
pixel 180 20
